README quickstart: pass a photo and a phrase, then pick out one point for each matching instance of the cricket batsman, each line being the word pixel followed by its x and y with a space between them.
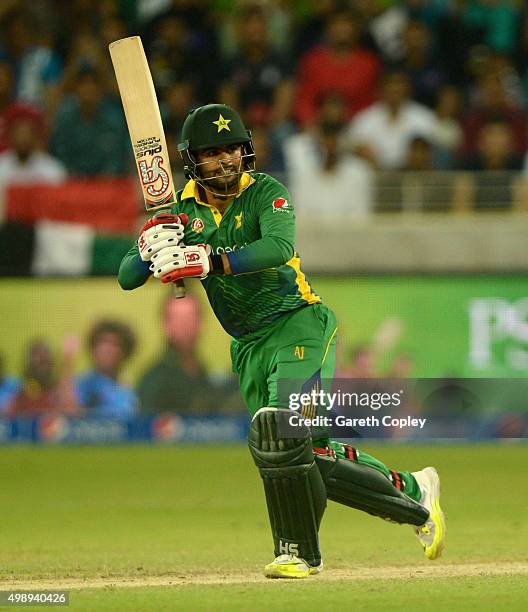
pixel 234 229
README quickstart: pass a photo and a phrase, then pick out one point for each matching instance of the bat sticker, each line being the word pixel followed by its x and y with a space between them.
pixel 150 175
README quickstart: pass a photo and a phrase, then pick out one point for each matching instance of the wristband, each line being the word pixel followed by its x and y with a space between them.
pixel 217 265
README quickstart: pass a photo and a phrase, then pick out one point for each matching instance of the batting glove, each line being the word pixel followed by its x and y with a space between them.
pixel 160 232
pixel 178 262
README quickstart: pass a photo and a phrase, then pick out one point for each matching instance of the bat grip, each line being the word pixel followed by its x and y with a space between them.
pixel 178 289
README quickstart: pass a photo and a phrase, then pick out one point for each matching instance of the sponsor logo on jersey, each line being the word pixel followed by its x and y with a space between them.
pixel 238 219
pixel 281 205
pixel 197 225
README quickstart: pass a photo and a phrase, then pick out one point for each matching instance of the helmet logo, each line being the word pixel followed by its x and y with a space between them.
pixel 197 225
pixel 223 124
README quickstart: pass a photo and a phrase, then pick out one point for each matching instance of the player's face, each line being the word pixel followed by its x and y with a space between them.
pixel 220 168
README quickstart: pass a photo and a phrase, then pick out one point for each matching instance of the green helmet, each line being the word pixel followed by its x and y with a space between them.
pixel 214 125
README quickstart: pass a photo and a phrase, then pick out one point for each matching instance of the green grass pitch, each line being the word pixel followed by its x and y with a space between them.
pixel 162 528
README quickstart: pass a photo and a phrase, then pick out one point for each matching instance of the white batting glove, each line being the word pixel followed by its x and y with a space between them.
pixel 160 232
pixel 172 263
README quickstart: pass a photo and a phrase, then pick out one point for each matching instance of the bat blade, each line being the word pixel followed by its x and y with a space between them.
pixel 144 121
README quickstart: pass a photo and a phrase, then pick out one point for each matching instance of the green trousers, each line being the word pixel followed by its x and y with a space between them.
pixel 299 349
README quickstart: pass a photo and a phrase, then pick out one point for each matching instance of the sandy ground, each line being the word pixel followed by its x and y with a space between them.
pixel 329 575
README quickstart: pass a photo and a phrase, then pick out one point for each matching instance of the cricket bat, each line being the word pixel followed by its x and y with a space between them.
pixel 144 126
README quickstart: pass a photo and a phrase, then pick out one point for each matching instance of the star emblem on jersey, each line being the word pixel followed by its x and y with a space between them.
pixel 281 205
pixel 238 219
pixel 197 225
pixel 223 124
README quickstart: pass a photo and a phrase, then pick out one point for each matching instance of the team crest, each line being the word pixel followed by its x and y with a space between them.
pixel 197 226
pixel 222 124
pixel 281 205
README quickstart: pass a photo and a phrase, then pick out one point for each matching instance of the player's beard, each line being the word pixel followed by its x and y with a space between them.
pixel 223 186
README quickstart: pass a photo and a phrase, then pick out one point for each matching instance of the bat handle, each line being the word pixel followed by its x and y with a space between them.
pixel 178 289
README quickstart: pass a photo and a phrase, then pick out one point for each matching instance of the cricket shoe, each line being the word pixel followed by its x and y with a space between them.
pixel 290 566
pixel 432 533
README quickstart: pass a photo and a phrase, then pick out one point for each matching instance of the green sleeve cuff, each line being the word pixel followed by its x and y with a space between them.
pixel 133 271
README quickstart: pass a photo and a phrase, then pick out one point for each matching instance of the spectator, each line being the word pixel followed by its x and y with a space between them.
pixel 37 67
pixel 323 178
pixel 455 42
pixel 402 366
pixel 199 20
pixel 417 188
pixel 491 101
pixel 9 387
pixel 339 65
pixel 179 99
pixel 99 390
pixel 43 390
pixel 426 11
pixel 496 188
pixel 504 67
pixel 419 155
pixel 257 80
pixel 88 53
pixel 495 149
pixel 496 21
pixel 178 381
pixel 175 55
pixel 381 133
pixel 418 62
pixel 24 162
pixel 359 363
pixel 448 135
pixel 268 161
pixel 311 23
pixel 90 135
pixel 10 109
pixel 383 25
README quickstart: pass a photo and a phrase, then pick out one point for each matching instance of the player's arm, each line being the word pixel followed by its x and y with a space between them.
pixel 133 271
pixel 274 248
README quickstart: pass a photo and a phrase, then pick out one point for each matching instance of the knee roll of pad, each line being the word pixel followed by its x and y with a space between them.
pixel 267 446
pixel 295 492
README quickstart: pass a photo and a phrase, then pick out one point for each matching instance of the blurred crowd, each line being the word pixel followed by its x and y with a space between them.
pixel 176 382
pixel 333 90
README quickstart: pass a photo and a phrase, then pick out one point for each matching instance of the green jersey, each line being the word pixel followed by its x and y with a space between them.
pixel 257 233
